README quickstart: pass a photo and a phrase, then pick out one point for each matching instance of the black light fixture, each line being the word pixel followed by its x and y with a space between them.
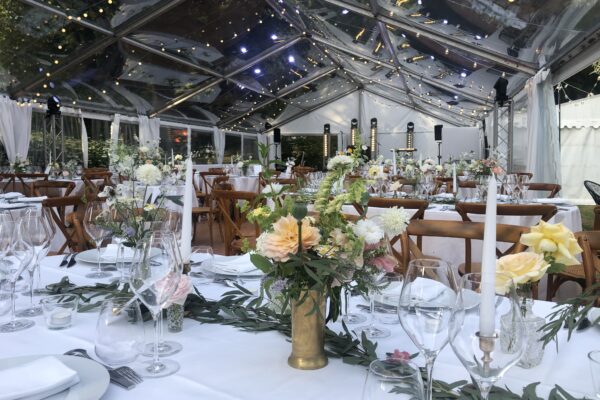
pixel 500 86
pixel 53 106
pixel 353 131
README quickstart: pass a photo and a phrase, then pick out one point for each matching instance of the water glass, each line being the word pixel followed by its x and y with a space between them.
pixel 94 212
pixel 393 380
pixel 594 357
pixel 386 301
pixel 59 310
pixel 201 264
pixel 119 331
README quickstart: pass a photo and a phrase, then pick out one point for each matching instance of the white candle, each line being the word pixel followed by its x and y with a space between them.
pixel 172 156
pixel 394 162
pixel 454 185
pixel 420 160
pixel 60 318
pixel 488 265
pixel 186 224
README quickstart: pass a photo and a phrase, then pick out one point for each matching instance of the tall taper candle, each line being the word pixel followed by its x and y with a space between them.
pixel 454 185
pixel 186 224
pixel 488 265
pixel 395 171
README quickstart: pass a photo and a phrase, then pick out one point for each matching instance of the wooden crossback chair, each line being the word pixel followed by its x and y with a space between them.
pixel 234 219
pixel 68 213
pixel 441 181
pixel 27 186
pixel 551 188
pixel 544 211
pixel 92 188
pixel 262 181
pixel 50 188
pixel 200 194
pixel 301 172
pixel 510 234
pixel 7 182
pixel 597 218
pixel 585 274
pixel 208 186
pixel 419 207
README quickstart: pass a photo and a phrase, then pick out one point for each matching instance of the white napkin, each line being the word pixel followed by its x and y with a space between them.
pixel 502 197
pixel 9 206
pixel 33 199
pixel 556 200
pixel 37 379
pixel 234 265
pixel 12 195
pixel 111 252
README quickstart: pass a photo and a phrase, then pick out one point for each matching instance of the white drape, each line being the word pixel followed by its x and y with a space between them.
pixel 543 157
pixel 114 130
pixel 15 128
pixel 149 129
pixel 84 140
pixel 219 141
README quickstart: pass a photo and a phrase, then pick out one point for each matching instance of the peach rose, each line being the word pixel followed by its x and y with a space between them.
pixel 283 240
pixel 521 268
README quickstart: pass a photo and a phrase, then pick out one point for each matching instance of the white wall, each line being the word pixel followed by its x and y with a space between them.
pixel 392 119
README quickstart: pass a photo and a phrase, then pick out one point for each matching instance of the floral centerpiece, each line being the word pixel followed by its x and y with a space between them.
pixel 132 213
pixel 125 159
pixel 552 247
pixel 174 171
pixel 485 167
pixel 243 165
pixel 311 258
pixel 21 165
pixel 206 153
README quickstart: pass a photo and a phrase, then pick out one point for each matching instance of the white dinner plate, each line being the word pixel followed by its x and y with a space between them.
pixel 93 377
pixel 91 257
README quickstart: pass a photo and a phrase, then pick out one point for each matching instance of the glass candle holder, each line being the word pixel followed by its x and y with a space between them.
pixel 59 310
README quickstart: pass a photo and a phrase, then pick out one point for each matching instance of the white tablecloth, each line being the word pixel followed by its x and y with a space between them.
pixel 239 183
pixel 223 363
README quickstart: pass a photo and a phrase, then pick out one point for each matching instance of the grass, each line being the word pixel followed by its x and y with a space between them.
pixel 587 217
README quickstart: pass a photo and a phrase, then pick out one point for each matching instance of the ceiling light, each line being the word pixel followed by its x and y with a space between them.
pixel 291 59
pixel 445 22
pixel 344 11
pixel 463 74
pixel 478 37
pixel 257 71
pixel 243 50
pixel 273 37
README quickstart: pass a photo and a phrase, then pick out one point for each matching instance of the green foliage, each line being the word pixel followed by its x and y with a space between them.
pixel 98 152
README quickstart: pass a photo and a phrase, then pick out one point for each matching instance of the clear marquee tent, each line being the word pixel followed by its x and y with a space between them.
pixel 227 72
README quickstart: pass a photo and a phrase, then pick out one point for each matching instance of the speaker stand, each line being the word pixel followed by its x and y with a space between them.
pixel 439 156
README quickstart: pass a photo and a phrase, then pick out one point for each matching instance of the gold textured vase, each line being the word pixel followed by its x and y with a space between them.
pixel 308 331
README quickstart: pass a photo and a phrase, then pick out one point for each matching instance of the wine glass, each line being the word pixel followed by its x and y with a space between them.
pixel 171 222
pixel 154 277
pixel 511 186
pixel 523 186
pixel 393 379
pixel 22 253
pixel 38 237
pixel 6 234
pixel 428 184
pixel 426 302
pixel 484 357
pixel 351 318
pixel 95 214
pixel 201 264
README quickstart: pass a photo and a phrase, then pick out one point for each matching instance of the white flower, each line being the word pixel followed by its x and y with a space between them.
pixel 364 147
pixel 395 186
pixel 240 164
pixel 369 231
pixel 148 174
pixel 337 161
pixel 149 207
pixel 273 188
pixel 394 221
pixel 439 168
pixel 178 157
pixel 144 149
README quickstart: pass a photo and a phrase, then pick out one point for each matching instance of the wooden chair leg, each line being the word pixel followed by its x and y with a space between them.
pixel 194 224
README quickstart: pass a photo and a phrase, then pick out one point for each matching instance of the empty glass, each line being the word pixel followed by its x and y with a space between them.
pixel 427 299
pixel 6 233
pixel 155 274
pixel 119 331
pixel 511 186
pixel 393 380
pixel 372 330
pixel 523 186
pixel 594 357
pixel 201 264
pixel 351 318
pixel 484 358
pixel 97 231
pixel 428 184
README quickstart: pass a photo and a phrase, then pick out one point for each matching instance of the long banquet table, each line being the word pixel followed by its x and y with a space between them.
pixel 223 363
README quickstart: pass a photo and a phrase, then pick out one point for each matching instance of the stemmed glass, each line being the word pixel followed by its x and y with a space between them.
pixel 97 232
pixel 155 274
pixel 426 302
pixel 6 234
pixel 351 318
pixel 394 380
pixel 511 186
pixel 523 186
pixel 39 239
pixel 428 184
pixel 22 253
pixel 372 330
pixel 483 357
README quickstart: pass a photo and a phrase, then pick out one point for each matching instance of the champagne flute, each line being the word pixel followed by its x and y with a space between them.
pixel 523 186
pixel 484 358
pixel 155 274
pixel 22 253
pixel 511 186
pixel 38 238
pixel 427 299
pixel 95 211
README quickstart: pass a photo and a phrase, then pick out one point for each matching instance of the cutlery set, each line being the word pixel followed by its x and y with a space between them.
pixel 124 377
pixel 68 260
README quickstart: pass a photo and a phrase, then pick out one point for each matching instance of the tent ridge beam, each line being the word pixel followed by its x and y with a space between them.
pixel 185 96
pixel 121 31
pixel 403 23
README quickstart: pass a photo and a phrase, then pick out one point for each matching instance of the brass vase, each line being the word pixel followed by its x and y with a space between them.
pixel 308 331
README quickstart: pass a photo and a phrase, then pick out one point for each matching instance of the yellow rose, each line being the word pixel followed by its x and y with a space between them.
pixel 283 240
pixel 555 239
pixel 521 268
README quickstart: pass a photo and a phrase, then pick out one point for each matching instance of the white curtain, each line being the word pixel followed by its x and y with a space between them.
pixel 149 131
pixel 84 140
pixel 543 157
pixel 219 141
pixel 15 128
pixel 114 130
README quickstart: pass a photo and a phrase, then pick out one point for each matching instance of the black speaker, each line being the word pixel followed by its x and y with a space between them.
pixel 373 122
pixel 437 130
pixel 410 127
pixel 268 126
pixel 276 135
pixel 326 129
pixel 500 86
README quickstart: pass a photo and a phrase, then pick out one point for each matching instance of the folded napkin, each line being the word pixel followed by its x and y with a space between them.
pixel 111 251
pixel 12 195
pixel 502 197
pixel 36 379
pixel 556 200
pixel 33 199
pixel 9 206
pixel 234 265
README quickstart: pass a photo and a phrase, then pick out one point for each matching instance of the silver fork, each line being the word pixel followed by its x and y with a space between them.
pixel 125 377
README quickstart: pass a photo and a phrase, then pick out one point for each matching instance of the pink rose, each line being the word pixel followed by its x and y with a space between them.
pixel 386 263
pixel 397 355
pixel 180 294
